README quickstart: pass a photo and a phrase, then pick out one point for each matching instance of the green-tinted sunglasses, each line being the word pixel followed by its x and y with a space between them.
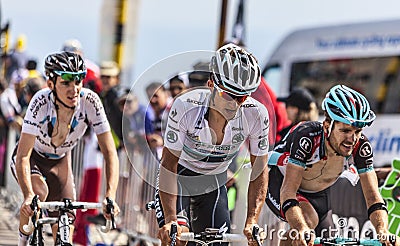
pixel 71 76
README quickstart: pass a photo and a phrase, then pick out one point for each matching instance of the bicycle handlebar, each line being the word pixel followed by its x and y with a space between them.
pixel 68 205
pixel 211 235
pixel 52 206
pixel 352 241
pixel 226 237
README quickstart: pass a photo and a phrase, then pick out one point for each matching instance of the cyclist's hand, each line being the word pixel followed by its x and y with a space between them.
pixel 248 232
pixel 26 209
pixel 388 239
pixel 116 209
pixel 164 234
pixel 303 237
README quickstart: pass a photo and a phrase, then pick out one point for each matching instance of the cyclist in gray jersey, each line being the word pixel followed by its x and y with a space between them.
pixel 204 131
pixel 56 118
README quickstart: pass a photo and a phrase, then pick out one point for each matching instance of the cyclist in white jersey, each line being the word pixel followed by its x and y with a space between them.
pixel 56 118
pixel 204 131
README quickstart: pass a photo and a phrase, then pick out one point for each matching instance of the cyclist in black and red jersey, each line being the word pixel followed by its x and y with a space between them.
pixel 312 157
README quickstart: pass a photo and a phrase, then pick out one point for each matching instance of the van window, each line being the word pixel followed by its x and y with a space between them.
pixel 272 75
pixel 377 78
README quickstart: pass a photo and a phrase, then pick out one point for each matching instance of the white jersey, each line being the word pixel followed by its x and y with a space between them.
pixel 41 117
pixel 187 131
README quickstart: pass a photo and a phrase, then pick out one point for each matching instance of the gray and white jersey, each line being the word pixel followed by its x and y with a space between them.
pixel 41 118
pixel 188 131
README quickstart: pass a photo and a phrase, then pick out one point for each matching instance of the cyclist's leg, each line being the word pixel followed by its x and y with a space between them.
pixel 39 187
pixel 322 204
pixel 273 198
pixel 60 180
pixel 310 216
pixel 210 209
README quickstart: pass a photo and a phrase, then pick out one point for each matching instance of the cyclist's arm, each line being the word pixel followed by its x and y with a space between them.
pixel 23 168
pixel 108 149
pixel 369 184
pixel 290 186
pixel 257 187
pixel 256 192
pixel 168 183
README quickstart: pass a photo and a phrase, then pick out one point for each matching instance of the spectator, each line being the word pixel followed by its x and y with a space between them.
pixel 18 57
pixel 178 84
pixel 300 106
pixel 109 74
pixel 3 138
pixel 31 87
pixel 92 80
pixel 10 108
pixel 134 118
pixel 30 72
pixel 158 98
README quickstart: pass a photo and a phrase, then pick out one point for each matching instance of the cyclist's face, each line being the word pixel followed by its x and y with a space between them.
pixel 67 91
pixel 344 137
pixel 226 105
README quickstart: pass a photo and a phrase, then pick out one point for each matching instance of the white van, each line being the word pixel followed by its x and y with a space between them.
pixel 364 56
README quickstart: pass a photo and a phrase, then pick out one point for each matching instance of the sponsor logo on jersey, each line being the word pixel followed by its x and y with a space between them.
pixel 172 137
pixel 95 102
pixel 237 128
pixel 193 136
pixel 274 202
pixel 248 105
pixel 263 144
pixel 195 102
pixel 28 122
pixel 210 147
pixel 237 138
pixel 305 144
pixel 42 141
pixel 36 105
pixel 365 150
pixel 300 154
pixel 173 113
pixel 173 128
pixel 266 123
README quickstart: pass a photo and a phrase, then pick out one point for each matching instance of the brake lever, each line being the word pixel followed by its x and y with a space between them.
pixel 173 233
pixel 110 210
pixel 256 234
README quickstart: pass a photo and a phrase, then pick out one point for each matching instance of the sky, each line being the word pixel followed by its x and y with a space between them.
pixel 165 28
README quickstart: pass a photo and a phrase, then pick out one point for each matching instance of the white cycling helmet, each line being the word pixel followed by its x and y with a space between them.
pixel 235 69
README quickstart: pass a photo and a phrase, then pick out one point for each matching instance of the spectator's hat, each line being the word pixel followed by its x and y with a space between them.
pixel 109 68
pixel 72 45
pixel 298 97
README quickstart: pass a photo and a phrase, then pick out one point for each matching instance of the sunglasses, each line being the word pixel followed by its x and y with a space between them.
pixel 364 123
pixel 229 96
pixel 71 76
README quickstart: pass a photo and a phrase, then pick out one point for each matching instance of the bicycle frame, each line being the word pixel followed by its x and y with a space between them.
pixel 64 221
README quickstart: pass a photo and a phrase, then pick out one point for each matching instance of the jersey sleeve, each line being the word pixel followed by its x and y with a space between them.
pixel 95 113
pixel 302 145
pixel 259 143
pixel 363 155
pixel 36 113
pixel 175 130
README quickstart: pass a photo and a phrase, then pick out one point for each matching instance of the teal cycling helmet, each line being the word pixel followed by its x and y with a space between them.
pixel 348 106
